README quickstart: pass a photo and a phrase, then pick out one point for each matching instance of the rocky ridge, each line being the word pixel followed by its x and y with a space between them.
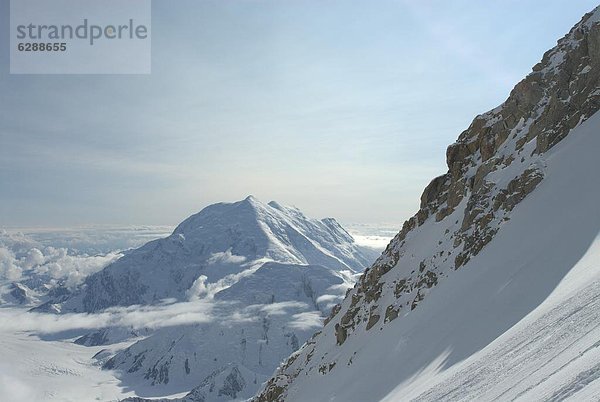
pixel 492 167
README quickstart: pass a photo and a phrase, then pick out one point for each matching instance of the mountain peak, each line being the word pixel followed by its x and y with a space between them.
pixel 252 199
pixel 221 239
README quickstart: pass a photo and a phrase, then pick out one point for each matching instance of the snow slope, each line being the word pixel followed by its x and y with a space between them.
pixel 264 317
pixel 553 270
pixel 35 370
pixel 489 291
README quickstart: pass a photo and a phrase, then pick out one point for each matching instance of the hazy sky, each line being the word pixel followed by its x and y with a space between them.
pixel 342 108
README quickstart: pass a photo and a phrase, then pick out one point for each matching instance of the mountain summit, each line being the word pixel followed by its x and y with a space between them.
pixel 490 291
pixel 221 240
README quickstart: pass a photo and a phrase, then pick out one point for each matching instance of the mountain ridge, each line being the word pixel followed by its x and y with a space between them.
pixel 493 166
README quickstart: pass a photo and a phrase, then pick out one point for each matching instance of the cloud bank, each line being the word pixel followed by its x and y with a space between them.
pixel 153 317
pixel 67 256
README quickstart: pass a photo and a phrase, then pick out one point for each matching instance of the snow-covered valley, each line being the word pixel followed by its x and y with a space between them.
pixel 33 369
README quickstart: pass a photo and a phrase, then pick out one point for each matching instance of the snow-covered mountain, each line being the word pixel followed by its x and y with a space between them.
pixel 214 248
pixel 266 275
pixel 490 292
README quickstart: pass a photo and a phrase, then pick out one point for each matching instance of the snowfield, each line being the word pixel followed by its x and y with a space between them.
pixel 35 370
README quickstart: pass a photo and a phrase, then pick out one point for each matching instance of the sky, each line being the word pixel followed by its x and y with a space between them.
pixel 341 108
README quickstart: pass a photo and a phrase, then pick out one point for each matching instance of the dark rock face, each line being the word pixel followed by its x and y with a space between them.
pixel 96 338
pixel 234 383
pixel 20 293
pixel 492 167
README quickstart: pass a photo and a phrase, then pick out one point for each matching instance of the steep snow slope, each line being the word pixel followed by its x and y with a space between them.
pixel 516 213
pixel 214 247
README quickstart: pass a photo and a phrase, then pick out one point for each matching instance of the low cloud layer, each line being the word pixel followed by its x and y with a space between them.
pixel 136 317
pixel 86 240
pixel 26 257
pixel 55 263
pixel 153 317
pixel 376 237
pixel 67 256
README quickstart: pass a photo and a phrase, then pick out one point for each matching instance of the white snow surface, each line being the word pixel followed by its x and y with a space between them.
pixel 520 321
pixel 263 317
pixel 33 370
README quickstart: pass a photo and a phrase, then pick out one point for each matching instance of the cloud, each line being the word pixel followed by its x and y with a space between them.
pixel 327 298
pixel 226 258
pixel 9 268
pixel 202 290
pixel 375 242
pixel 156 316
pixel 71 269
pixel 136 317
pixel 83 240
pixel 33 258
pixel 198 289
pixel 279 308
pixel 307 320
pixel 21 257
pixel 375 236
